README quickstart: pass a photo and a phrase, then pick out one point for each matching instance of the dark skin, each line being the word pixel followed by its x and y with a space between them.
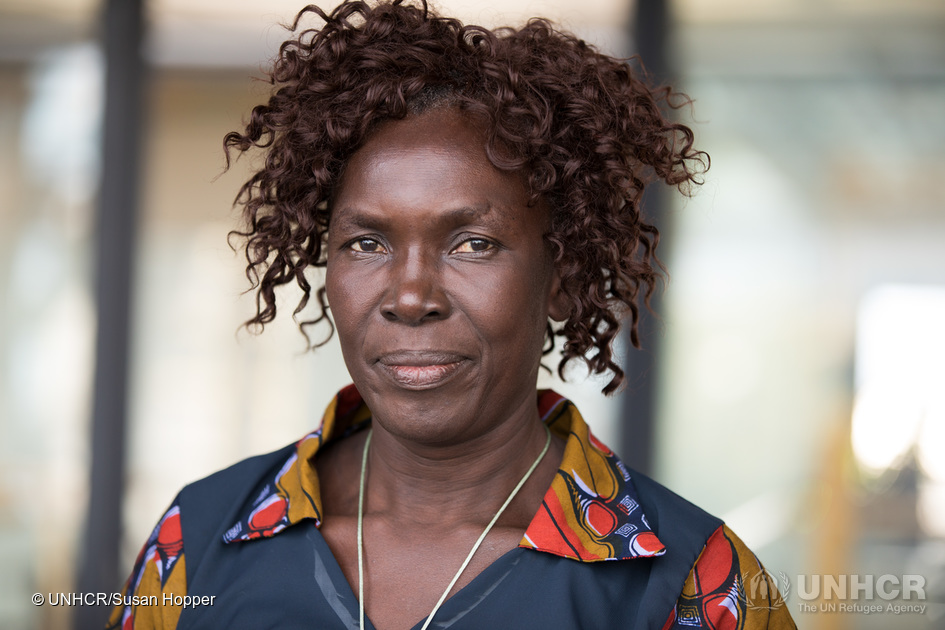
pixel 440 283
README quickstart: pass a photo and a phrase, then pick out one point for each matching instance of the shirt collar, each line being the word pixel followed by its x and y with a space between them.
pixel 591 511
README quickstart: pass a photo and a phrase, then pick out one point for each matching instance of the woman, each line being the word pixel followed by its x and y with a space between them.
pixel 464 189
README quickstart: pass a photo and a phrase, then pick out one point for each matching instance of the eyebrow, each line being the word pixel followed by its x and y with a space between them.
pixel 486 214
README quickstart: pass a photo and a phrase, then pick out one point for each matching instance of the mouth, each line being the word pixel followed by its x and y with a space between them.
pixel 419 370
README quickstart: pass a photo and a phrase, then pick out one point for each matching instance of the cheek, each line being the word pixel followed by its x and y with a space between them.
pixel 347 298
pixel 510 309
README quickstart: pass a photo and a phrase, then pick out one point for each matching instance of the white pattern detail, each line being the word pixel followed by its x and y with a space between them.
pixel 285 467
pixel 583 486
pixel 626 529
pixel 623 470
pixel 233 532
pixel 731 600
pixel 629 504
pixel 266 491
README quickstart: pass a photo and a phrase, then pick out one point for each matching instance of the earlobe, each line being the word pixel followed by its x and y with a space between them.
pixel 558 307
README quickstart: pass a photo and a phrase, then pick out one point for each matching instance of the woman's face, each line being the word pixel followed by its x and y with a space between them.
pixel 439 280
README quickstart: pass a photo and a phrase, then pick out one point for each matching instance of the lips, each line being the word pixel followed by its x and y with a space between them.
pixel 422 369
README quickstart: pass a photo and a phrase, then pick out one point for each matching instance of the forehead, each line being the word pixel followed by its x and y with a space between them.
pixel 437 158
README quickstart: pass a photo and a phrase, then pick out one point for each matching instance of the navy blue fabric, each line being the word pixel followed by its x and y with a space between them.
pixel 292 580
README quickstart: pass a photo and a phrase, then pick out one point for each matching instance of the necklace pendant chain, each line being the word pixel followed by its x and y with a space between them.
pixel 472 552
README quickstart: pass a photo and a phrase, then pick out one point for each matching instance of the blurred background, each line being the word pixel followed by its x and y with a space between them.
pixel 794 384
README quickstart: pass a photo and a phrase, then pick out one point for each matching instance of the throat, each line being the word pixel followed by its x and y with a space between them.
pixel 453 584
pixel 462 486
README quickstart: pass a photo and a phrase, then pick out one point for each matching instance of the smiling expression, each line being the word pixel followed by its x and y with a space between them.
pixel 439 280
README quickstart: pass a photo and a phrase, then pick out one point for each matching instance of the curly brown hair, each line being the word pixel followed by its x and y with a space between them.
pixel 584 129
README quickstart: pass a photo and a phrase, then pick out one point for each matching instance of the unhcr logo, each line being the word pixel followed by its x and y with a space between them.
pixel 851 593
pixel 762 591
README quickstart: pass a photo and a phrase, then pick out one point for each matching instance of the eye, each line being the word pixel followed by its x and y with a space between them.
pixel 367 246
pixel 473 246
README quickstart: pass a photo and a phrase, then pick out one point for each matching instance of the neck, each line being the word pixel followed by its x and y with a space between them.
pixel 460 483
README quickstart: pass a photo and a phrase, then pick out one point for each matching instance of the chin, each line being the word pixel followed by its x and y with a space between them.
pixel 430 416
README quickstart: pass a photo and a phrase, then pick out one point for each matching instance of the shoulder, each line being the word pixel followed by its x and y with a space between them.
pixel 161 572
pixel 728 587
pixel 212 505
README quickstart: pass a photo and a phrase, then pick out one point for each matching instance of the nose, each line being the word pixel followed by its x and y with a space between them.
pixel 416 294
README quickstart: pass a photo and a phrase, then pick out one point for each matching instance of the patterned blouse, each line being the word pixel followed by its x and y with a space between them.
pixel 591 513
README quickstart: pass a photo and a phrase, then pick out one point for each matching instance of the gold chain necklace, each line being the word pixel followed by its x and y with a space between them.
pixel 462 568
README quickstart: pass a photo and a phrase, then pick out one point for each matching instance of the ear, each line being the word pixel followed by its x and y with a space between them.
pixel 558 306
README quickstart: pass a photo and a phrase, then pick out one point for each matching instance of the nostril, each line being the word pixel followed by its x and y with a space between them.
pixel 408 315
pixel 415 295
pixel 413 309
